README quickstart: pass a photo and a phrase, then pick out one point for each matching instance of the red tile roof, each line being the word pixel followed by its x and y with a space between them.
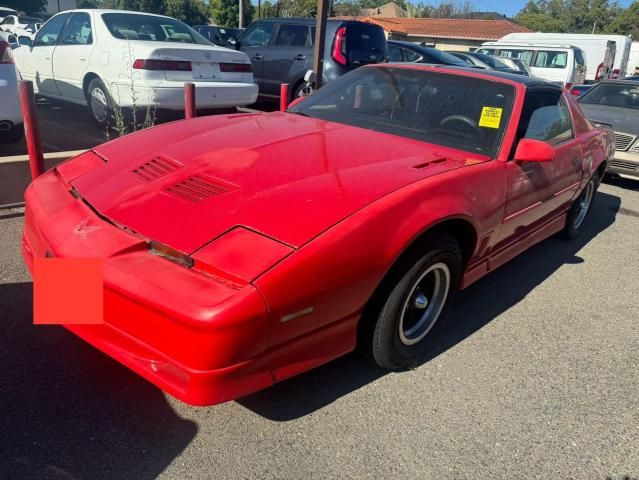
pixel 447 27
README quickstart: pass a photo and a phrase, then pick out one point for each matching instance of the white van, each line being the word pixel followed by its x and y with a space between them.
pixel 563 64
pixel 599 51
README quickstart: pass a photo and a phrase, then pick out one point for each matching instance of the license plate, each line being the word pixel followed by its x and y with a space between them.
pixel 202 70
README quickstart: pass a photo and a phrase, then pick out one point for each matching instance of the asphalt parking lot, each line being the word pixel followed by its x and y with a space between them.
pixel 536 377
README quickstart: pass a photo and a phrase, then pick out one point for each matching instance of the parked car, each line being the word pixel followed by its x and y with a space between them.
pixel 635 78
pixel 222 36
pixel 17 23
pixel 579 90
pixel 606 55
pixel 9 38
pixel 561 64
pixel 516 64
pixel 5 12
pixel 30 30
pixel 616 104
pixel 241 250
pixel 414 53
pixel 482 60
pixel 281 50
pixel 11 125
pixel 109 58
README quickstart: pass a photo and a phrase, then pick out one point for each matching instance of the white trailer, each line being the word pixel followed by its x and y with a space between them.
pixel 633 61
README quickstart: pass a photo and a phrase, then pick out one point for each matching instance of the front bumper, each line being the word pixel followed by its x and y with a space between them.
pixel 10 110
pixel 200 340
pixel 625 163
pixel 170 95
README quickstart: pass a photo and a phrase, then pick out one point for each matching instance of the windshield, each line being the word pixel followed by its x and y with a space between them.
pixel 23 20
pixel 491 61
pixel 433 107
pixel 621 95
pixel 129 26
pixel 443 57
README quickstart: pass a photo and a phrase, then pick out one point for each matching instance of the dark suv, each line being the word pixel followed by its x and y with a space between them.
pixel 281 50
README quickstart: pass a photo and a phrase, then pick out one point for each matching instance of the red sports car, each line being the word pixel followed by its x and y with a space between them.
pixel 241 250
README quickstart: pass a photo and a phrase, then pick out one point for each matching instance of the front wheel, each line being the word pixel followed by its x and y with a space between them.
pixel 418 304
pixel 14 134
pixel 581 208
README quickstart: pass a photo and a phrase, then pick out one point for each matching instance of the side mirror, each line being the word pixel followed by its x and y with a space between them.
pixel 530 150
pixel 24 40
pixel 232 42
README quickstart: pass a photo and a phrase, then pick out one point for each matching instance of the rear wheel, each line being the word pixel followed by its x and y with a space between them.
pixel 100 103
pixel 581 208
pixel 417 305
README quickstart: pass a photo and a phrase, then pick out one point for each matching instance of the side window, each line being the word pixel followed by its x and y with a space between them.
pixel 395 54
pixel 257 35
pixel 48 35
pixel 8 21
pixel 410 56
pixel 546 117
pixel 551 59
pixel 77 30
pixel 292 36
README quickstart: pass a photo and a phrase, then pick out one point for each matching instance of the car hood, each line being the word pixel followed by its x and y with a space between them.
pixel 286 176
pixel 621 119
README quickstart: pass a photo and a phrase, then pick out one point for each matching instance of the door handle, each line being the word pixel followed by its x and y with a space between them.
pixel 258 56
pixel 576 162
pixel 82 59
pixel 46 58
pixel 300 57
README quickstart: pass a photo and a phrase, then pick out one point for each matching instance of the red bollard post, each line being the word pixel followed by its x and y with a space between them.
pixel 31 128
pixel 283 97
pixel 189 100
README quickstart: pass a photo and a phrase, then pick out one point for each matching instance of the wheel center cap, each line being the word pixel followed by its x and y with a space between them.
pixel 420 302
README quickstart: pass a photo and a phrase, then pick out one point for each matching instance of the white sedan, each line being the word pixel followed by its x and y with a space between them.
pixel 11 128
pixel 113 58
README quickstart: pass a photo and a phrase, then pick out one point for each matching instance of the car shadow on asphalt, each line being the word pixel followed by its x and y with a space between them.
pixel 83 416
pixel 476 306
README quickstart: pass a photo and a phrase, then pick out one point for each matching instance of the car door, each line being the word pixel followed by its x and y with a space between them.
pixel 254 42
pixel 72 54
pixel 38 65
pixel 286 57
pixel 540 191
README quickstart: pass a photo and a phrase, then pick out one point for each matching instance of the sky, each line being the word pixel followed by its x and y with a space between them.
pixel 509 8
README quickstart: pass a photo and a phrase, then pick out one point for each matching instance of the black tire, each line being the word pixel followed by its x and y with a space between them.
pixel 12 135
pixel 298 91
pixel 576 216
pixel 96 94
pixel 401 311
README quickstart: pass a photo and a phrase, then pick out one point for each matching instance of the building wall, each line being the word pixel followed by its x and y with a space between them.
pixel 55 6
pixel 440 43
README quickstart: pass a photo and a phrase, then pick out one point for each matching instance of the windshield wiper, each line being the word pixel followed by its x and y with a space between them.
pixel 299 113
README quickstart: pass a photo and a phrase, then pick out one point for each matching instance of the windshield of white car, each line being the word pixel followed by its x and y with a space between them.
pixel 23 20
pixel 613 95
pixel 128 26
pixel 456 111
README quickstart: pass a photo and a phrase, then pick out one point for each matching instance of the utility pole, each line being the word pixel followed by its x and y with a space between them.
pixel 594 26
pixel 320 37
pixel 259 9
pixel 241 20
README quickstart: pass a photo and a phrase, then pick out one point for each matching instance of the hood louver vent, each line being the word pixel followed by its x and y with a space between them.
pixel 156 168
pixel 199 187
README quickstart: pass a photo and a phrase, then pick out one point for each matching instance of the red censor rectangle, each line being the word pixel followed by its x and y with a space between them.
pixel 67 291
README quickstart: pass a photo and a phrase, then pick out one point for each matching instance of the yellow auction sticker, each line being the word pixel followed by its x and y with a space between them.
pixel 490 117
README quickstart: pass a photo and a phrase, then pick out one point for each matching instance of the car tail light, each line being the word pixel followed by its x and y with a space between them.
pixel 575 91
pixel 236 67
pixel 152 64
pixel 616 73
pixel 568 85
pixel 339 46
pixel 600 72
pixel 5 53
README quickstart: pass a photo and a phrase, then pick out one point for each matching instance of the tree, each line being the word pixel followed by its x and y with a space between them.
pixel 191 12
pixel 149 6
pixel 226 12
pixel 627 22
pixel 578 16
pixel 28 6
pixel 267 9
